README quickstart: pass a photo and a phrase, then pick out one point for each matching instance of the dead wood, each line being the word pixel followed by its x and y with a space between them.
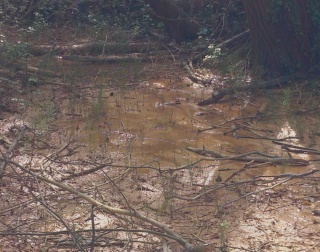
pixel 198 78
pixel 107 207
pixel 25 68
pixel 255 181
pixel 136 57
pixel 8 154
pixel 221 125
pixel 254 85
pixel 247 157
pixel 42 71
pixel 222 45
pixel 296 148
pixel 96 48
pixel 286 178
pixel 238 171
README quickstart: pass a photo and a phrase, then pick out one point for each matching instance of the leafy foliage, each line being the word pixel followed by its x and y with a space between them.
pixel 220 18
pixel 11 52
pixel 58 13
pixel 314 10
pixel 288 15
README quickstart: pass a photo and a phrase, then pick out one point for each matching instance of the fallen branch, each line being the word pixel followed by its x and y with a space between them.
pixel 254 181
pixel 238 171
pixel 275 178
pixel 199 78
pixel 193 76
pixel 136 57
pixel 247 157
pixel 254 85
pixel 132 213
pixel 7 155
pixel 289 175
pixel 66 232
pixel 221 45
pixel 23 67
pixel 296 148
pixel 228 121
pixel 96 48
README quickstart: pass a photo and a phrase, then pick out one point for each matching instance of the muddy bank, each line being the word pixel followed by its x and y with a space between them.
pixel 120 132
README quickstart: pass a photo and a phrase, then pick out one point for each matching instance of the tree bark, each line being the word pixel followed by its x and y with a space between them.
pixel 280 35
pixel 178 23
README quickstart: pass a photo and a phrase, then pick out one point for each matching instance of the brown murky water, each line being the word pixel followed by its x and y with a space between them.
pixel 150 115
pixel 146 114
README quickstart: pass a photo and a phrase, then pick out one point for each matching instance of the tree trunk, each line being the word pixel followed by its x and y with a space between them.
pixel 280 33
pixel 175 17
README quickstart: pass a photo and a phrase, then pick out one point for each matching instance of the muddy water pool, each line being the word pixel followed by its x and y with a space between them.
pixel 148 113
pixel 145 115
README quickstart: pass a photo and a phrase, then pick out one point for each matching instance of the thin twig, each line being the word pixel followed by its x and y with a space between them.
pixel 132 213
pixel 93 233
pixel 7 155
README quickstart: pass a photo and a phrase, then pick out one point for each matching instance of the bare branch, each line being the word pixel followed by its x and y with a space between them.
pixel 113 210
pixel 12 147
pixel 247 157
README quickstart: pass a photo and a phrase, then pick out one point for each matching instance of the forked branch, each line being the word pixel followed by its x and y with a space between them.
pixel 133 213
